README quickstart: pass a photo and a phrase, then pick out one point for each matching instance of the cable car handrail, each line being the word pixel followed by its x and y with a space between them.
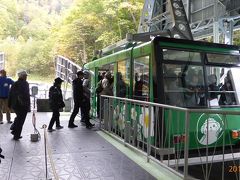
pixel 214 111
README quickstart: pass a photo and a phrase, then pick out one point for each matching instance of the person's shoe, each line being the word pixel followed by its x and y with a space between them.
pixel 1 122
pixel 17 138
pixel 10 122
pixel 90 126
pixel 72 126
pixel 51 130
pixel 59 127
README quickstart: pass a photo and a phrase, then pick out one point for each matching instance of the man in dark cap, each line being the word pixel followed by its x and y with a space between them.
pixel 19 101
pixel 56 103
pixel 77 86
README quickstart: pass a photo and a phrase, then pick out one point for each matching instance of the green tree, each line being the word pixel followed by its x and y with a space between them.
pixel 94 24
pixel 25 35
pixel 33 32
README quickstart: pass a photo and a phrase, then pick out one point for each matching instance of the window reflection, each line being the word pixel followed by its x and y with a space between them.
pixel 141 79
pixel 184 85
pixel 223 88
pixel 105 80
pixel 122 79
pixel 221 58
pixel 177 55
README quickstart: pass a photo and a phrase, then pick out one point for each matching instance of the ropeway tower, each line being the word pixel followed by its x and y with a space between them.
pixel 166 18
pixel 185 19
pixel 165 15
pixel 216 18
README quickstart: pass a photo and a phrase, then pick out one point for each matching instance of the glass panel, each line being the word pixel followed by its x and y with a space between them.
pixel 223 86
pixel 105 84
pixel 141 78
pixel 106 68
pixel 107 81
pixel 221 58
pixel 184 85
pixel 177 55
pixel 123 79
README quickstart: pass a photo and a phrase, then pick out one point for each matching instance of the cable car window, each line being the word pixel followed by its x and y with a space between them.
pixel 223 86
pixel 178 55
pixel 222 58
pixel 141 78
pixel 123 79
pixel 106 78
pixel 184 85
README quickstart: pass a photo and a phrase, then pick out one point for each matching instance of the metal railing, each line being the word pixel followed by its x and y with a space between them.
pixel 43 95
pixel 48 156
pixel 192 143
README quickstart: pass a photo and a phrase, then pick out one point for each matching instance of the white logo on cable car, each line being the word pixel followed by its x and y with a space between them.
pixel 211 129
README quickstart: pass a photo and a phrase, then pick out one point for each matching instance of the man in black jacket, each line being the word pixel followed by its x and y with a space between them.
pixel 56 103
pixel 77 85
pixel 19 101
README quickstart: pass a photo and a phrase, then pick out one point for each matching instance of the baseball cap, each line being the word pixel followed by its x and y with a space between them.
pixel 22 73
pixel 80 73
pixel 58 80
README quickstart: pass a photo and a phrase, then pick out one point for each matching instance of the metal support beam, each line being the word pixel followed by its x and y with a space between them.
pixel 188 10
pixel 181 28
pixel 169 18
pixel 146 16
pixel 215 23
pixel 215 32
pixel 226 27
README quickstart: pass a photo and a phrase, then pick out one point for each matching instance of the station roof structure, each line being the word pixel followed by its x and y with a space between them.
pixel 206 17
pixel 185 19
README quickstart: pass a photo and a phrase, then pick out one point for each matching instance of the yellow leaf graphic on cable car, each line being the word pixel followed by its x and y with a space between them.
pixel 146 119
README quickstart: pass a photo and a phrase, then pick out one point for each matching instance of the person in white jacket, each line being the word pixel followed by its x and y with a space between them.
pixel 87 94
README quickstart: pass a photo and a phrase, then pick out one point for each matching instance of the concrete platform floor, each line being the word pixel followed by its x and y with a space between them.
pixel 77 154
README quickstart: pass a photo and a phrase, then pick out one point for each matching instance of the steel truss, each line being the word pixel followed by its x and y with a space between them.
pixel 206 17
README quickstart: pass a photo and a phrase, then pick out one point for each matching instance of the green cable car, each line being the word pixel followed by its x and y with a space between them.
pixel 182 73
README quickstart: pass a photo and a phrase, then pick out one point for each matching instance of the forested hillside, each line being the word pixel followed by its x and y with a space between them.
pixel 32 32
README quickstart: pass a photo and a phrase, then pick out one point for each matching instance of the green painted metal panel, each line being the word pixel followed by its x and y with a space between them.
pixel 217 126
pixel 174 121
pixel 121 55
